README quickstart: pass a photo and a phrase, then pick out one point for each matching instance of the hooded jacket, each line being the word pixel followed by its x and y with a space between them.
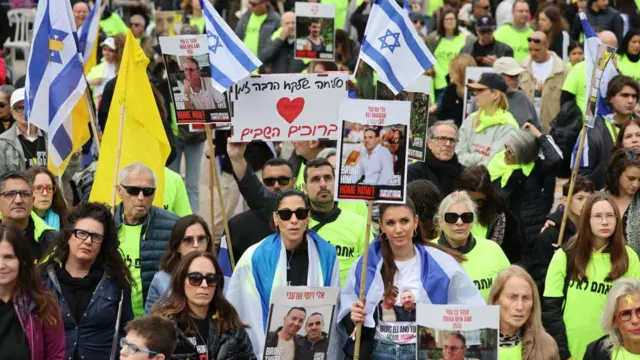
pixel 46 342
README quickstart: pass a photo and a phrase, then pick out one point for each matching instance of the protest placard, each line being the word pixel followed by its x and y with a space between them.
pixel 168 23
pixel 287 107
pixel 315 31
pixel 472 74
pixel 195 101
pixel 455 331
pixel 299 325
pixel 372 150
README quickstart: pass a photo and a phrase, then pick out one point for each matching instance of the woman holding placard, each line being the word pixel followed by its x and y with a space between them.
pixel 581 273
pixel 621 321
pixel 522 336
pixel 394 287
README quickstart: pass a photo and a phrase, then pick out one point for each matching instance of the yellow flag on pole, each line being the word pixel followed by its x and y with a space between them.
pixel 143 136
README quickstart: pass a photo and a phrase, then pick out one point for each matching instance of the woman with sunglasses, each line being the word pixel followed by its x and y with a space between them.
pixel 5 110
pixel 292 256
pixel 581 273
pixel 209 327
pixel 483 259
pixel 48 202
pixel 91 282
pixel 190 233
pixel 401 257
pixel 621 323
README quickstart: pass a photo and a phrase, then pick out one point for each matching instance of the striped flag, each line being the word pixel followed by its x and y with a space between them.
pixel 224 258
pixel 88 38
pixel 230 60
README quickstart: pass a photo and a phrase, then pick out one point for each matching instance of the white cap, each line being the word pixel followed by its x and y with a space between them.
pixel 507 65
pixel 17 95
pixel 110 42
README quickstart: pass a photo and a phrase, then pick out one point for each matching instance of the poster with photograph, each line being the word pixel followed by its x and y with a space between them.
pixel 168 23
pixel 315 31
pixel 451 332
pixel 472 75
pixel 195 100
pixel 372 150
pixel 299 325
pixel 418 92
pixel 287 107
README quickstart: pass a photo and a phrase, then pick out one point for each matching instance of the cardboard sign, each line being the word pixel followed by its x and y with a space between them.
pixel 315 31
pixel 305 312
pixel 372 150
pixel 287 107
pixel 443 329
pixel 472 74
pixel 195 101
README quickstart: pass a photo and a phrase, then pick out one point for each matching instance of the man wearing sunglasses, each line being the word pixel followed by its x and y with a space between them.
pixel 256 26
pixel 486 50
pixel 16 207
pixel 143 229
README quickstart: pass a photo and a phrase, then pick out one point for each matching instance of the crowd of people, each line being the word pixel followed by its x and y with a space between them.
pixel 481 223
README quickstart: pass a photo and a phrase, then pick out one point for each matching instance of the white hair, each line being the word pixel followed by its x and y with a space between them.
pixel 432 129
pixel 456 197
pixel 136 167
pixel 622 287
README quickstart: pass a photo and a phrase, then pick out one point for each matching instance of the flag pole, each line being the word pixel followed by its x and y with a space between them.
pixel 363 277
pixel 118 152
pixel 92 119
pixel 212 161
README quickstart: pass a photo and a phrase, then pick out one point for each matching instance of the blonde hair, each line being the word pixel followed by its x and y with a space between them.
pixel 458 67
pixel 501 102
pixel 456 197
pixel 622 287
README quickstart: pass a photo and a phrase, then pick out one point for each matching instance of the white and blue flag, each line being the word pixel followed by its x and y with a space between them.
pixel 224 258
pixel 230 60
pixel 87 34
pixel 55 79
pixel 392 47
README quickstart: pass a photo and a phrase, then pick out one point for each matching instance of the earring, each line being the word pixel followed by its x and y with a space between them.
pixel 415 232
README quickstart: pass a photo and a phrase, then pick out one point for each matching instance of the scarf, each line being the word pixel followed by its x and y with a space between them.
pixel 632 228
pixel 52 219
pixel 498 169
pixel 500 117
pixel 444 170
pixel 78 292
pixel 510 340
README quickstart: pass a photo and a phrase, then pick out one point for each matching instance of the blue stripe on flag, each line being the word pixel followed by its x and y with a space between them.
pixel 383 63
pixel 586 28
pixel 62 142
pixel 38 61
pixel 224 259
pixel 235 50
pixel 220 77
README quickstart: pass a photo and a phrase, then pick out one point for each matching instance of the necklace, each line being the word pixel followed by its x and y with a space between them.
pixel 290 257
pixel 205 342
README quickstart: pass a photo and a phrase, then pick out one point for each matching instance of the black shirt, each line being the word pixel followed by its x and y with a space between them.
pixel 35 152
pixel 298 264
pixel 13 342
pixel 197 337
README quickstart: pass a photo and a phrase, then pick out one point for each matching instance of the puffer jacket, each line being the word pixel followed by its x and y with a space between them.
pixel 565 129
pixel 92 337
pixel 11 153
pixel 230 345
pixel 45 342
pixel 156 232
pixel 597 350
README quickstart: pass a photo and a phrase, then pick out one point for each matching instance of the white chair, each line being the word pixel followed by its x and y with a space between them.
pixel 23 20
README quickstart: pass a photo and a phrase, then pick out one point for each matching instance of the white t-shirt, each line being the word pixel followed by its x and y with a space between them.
pixel 288 349
pixel 541 72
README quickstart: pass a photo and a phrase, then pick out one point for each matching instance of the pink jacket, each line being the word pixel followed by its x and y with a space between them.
pixel 53 348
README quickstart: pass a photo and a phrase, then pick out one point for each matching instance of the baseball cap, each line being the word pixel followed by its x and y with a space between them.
pixel 16 96
pixel 110 42
pixel 491 81
pixel 507 65
pixel 485 22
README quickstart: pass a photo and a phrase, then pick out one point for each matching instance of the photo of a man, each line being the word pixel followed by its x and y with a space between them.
pixel 376 162
pixel 198 91
pixel 387 308
pixel 316 340
pixel 315 42
pixel 455 347
pixel 286 336
pixel 407 312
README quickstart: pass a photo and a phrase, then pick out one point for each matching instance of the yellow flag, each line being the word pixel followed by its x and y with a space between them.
pixel 143 136
pixel 80 134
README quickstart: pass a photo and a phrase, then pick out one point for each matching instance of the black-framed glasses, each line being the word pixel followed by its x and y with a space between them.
pixel 200 240
pixel 534 40
pixel 136 190
pixel 196 279
pixel 11 194
pixel 84 235
pixel 282 180
pixel 452 218
pixel 626 315
pixel 286 214
pixel 132 349
pixel 444 139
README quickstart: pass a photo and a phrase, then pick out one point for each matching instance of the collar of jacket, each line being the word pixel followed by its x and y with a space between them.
pixel 557 68
pixel 471 243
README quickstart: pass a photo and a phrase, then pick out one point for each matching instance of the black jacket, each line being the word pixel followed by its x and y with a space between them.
pixel 443 174
pixel 498 50
pixel 607 19
pixel 452 106
pixel 278 56
pixel 246 229
pixel 307 350
pixel 598 153
pixel 513 236
pixel 596 350
pixel 565 129
pixel 230 345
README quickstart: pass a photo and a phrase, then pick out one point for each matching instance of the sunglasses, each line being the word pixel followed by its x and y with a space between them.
pixel 84 235
pixel 282 180
pixel 132 349
pixel 508 150
pixel 190 69
pixel 39 189
pixel 626 315
pixel 18 108
pixel 3 105
pixel 452 218
pixel 534 40
pixel 195 279
pixel 200 240
pixel 285 214
pixel 11 194
pixel 136 190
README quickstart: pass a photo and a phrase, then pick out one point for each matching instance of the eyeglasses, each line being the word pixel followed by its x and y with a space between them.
pixel 132 348
pixel 285 214
pixel 445 139
pixel 84 235
pixel 534 40
pixel 195 279
pixel 18 108
pixel 452 348
pixel 136 190
pixel 190 69
pixel 39 189
pixel 200 240
pixel 282 180
pixel 452 218
pixel 11 194
pixel 626 315
pixel 508 150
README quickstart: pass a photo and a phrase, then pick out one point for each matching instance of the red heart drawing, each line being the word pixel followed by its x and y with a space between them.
pixel 288 109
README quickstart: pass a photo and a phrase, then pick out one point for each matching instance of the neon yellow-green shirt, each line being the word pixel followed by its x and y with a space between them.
pixel 252 33
pixel 300 178
pixel 199 22
pixel 175 194
pixel 479 231
pixel 510 353
pixel 620 353
pixel 626 67
pixel 585 299
pixel 575 83
pixel 517 39
pixel 446 50
pixel 483 264
pixel 356 207
pixel 129 237
pixel 341 11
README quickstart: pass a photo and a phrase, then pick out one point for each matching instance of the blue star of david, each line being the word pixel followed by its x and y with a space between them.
pixel 385 45
pixel 216 42
pixel 56 44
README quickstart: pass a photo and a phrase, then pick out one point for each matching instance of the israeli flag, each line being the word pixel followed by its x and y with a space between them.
pixel 392 47
pixel 55 80
pixel 230 60
pixel 224 258
pixel 88 32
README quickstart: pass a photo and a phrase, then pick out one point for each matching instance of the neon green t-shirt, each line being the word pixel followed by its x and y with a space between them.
pixel 626 67
pixel 252 33
pixel 433 5
pixel 620 353
pixel 300 178
pixel 483 264
pixel 129 237
pixel 479 231
pixel 576 84
pixel 446 50
pixel 517 39
pixel 356 207
pixel 510 353
pixel 175 194
pixel 199 22
pixel 585 299
pixel 341 11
